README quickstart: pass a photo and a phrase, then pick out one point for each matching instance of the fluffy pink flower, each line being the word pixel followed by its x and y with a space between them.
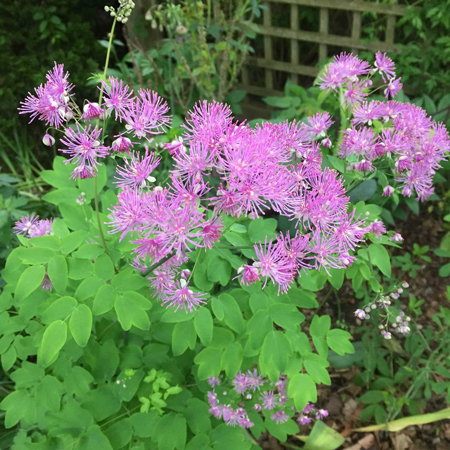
pixel 117 97
pixel 181 296
pixel 84 148
pixel 136 172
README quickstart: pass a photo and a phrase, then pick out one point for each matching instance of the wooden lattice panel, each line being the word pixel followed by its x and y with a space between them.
pixel 323 38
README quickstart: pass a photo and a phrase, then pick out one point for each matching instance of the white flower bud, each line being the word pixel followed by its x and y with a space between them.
pixel 48 140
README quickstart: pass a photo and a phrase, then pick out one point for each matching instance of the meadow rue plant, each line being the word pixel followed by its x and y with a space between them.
pixel 194 261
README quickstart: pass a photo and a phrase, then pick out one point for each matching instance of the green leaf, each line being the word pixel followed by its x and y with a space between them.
pixel 58 273
pixel 80 324
pixel 60 309
pixel 303 390
pixel 9 358
pixel 203 324
pixel 337 163
pixel 72 241
pixel 53 340
pixel 88 288
pixel 260 228
pixel 197 416
pixel 275 351
pixel 104 267
pixel 364 191
pixel 232 359
pixel 57 179
pixel 336 277
pixel 89 251
pixel 119 434
pixel 302 298
pixel 79 268
pixel 50 242
pixel 59 228
pixel 320 326
pixel 86 185
pixel 104 299
pixel 201 280
pixel 171 432
pixel 219 270
pixel 316 367
pixel 76 217
pixel 285 315
pixel 339 342
pixel 67 195
pixel 183 336
pixel 233 315
pixel 36 255
pixel 323 437
pixel 279 102
pixel 29 281
pixel 145 424
pixel 102 402
pixel 380 258
pixel 372 397
pixel 131 310
pixel 258 327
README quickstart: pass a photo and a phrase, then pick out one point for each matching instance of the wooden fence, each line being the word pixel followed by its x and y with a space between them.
pixel 296 67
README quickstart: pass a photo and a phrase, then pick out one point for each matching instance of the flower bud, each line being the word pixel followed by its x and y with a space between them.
pixel 48 140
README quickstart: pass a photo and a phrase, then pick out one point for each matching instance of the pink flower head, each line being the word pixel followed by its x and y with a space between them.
pixel 248 274
pixel 84 148
pixel 213 381
pixel 136 173
pixel 304 420
pixel 175 147
pixel 121 145
pixel 91 111
pixel 116 97
pixel 51 102
pixel 354 94
pixel 388 191
pixel 321 414
pixel 269 400
pixel 25 223
pixel 376 227
pixel 360 314
pixel 245 422
pixel 393 88
pixel 128 215
pixel 41 228
pixel 240 383
pixel 181 296
pixel 139 265
pixel 385 66
pixel 318 124
pixel 274 265
pixel 207 123
pixel 146 115
pixel 396 238
pixel 254 380
pixel 211 231
pixel 280 417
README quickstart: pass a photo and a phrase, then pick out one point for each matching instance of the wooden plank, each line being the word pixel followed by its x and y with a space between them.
pixel 350 5
pixel 323 29
pixel 340 41
pixel 294 42
pixel 390 30
pixel 283 66
pixel 356 30
pixel 267 19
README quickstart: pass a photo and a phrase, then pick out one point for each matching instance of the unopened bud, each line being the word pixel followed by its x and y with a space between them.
pixel 48 140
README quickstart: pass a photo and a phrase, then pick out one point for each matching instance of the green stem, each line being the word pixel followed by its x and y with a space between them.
pixel 97 210
pixel 156 265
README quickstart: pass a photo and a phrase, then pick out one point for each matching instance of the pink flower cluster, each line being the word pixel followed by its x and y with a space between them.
pixel 32 226
pixel 273 398
pixel 144 114
pixel 411 143
pixel 52 100
pixel 272 167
